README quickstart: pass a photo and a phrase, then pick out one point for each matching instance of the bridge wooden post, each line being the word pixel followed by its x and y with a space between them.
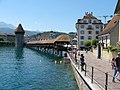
pixel 57 52
pixel 53 51
pixel 61 53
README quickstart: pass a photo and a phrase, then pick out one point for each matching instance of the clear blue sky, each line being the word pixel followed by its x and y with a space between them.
pixel 56 15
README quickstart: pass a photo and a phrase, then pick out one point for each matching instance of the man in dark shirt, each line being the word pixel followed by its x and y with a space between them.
pixel 117 60
pixel 82 62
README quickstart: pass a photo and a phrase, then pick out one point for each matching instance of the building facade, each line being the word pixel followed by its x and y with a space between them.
pixel 110 36
pixel 7 37
pixel 88 28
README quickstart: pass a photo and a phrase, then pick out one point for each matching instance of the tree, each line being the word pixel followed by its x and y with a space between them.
pixel 1 39
pixel 94 42
pixel 87 43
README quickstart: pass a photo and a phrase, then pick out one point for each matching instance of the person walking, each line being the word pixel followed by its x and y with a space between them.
pixel 82 62
pixel 117 60
pixel 76 57
pixel 113 63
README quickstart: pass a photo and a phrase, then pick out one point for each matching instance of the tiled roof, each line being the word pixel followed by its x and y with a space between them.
pixel 74 39
pixel 19 29
pixel 117 9
pixel 63 38
pixel 110 25
pixel 89 16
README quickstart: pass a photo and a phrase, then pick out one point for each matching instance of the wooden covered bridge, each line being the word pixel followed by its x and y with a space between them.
pixel 53 46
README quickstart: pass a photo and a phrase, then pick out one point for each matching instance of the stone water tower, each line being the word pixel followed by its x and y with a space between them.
pixel 19 36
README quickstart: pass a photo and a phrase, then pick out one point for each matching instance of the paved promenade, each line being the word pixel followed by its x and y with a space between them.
pixel 100 68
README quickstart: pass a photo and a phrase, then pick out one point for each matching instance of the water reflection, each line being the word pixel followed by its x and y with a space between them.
pixel 19 53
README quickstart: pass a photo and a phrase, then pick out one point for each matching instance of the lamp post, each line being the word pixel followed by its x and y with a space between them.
pixel 99 50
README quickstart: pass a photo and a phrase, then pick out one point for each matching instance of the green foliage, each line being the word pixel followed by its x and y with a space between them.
pixel 87 43
pixel 6 42
pixel 1 39
pixel 113 48
pixel 94 43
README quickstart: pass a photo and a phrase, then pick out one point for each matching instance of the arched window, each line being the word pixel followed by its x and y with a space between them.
pixel 89 27
pixel 97 32
pixel 89 32
pixel 82 32
pixel 89 37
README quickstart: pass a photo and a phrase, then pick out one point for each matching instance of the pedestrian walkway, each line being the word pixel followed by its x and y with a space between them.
pixel 100 68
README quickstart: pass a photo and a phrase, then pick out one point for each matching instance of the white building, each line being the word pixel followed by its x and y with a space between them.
pixel 88 28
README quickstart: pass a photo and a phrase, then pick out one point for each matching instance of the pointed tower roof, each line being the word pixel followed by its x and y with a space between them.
pixel 19 29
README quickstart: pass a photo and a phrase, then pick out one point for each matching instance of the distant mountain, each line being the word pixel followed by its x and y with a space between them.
pixel 27 32
pixel 10 29
pixel 5 25
pixel 7 30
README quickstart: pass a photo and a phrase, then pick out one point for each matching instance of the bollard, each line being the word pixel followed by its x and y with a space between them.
pixel 92 74
pixel 106 81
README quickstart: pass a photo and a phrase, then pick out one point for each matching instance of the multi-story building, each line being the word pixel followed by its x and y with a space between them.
pixel 88 29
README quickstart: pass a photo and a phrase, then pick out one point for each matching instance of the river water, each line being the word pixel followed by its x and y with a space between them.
pixel 25 69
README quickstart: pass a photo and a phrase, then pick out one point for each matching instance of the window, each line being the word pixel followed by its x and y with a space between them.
pixel 82 26
pixel 84 21
pixel 94 21
pixel 82 32
pixel 97 32
pixel 96 37
pixel 89 21
pixel 82 42
pixel 97 26
pixel 89 27
pixel 82 37
pixel 89 38
pixel 89 32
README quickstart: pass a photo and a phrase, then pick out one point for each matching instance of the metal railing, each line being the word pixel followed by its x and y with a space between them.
pixel 93 72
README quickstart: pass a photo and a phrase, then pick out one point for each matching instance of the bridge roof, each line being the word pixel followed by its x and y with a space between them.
pixel 61 38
